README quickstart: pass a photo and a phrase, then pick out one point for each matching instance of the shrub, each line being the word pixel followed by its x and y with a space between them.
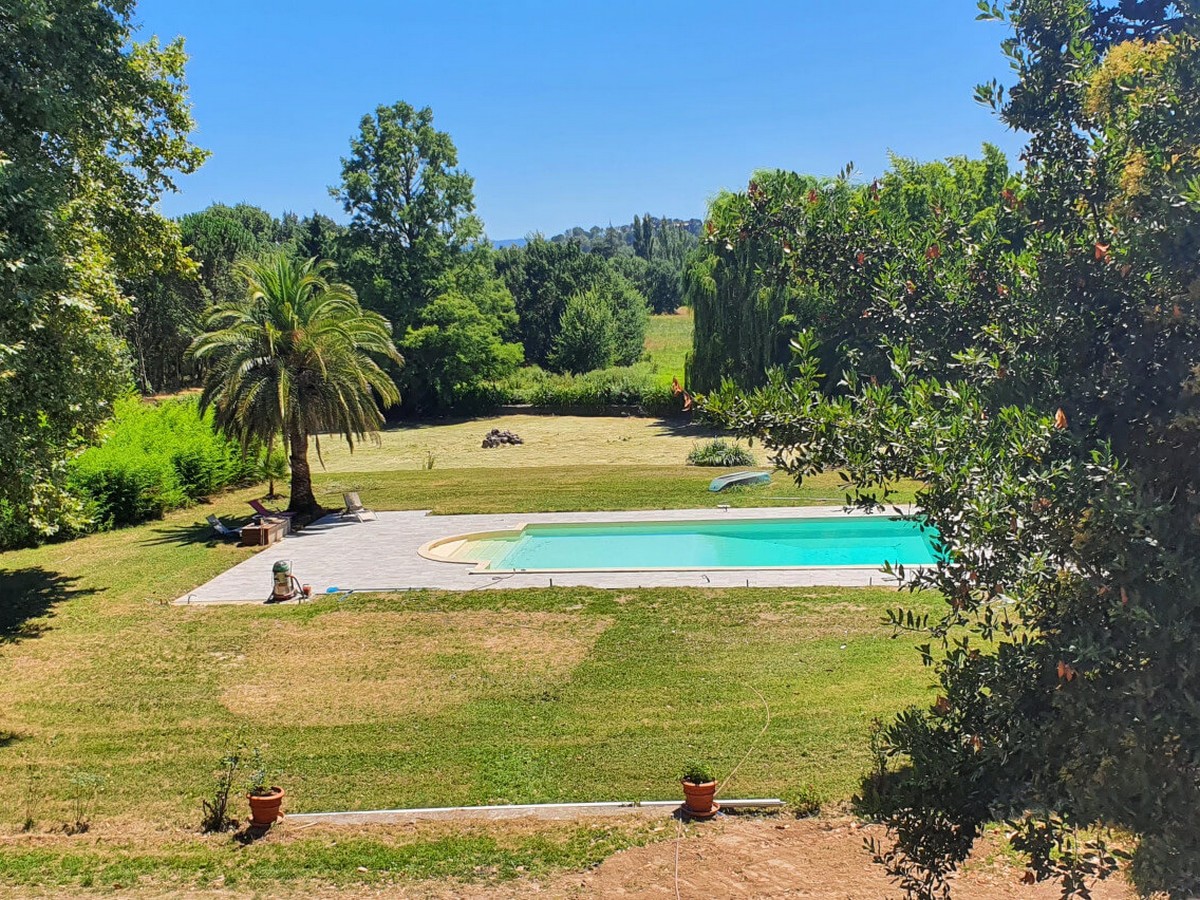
pixel 720 452
pixel 154 458
pixel 587 334
pixel 806 802
pixel 216 811
pixel 640 385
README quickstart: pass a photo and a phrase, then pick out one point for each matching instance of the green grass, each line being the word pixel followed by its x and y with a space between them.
pixel 370 857
pixel 424 698
pixel 567 694
pixel 428 699
pixel 559 488
pixel 669 341
pixel 417 699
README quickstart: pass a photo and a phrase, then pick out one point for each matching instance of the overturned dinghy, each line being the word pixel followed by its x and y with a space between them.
pixel 724 481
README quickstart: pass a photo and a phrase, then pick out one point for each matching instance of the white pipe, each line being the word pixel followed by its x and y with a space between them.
pixel 512 810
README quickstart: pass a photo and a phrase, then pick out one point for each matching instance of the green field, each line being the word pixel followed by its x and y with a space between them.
pixel 669 341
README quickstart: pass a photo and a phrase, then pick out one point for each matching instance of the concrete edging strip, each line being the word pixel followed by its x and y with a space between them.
pixel 514 811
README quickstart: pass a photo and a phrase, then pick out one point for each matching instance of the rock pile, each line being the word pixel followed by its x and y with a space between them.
pixel 498 438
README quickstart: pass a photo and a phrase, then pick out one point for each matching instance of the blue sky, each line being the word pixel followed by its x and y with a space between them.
pixel 579 113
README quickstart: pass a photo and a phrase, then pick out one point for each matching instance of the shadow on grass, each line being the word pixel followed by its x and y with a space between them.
pixel 28 596
pixel 685 426
pixel 196 533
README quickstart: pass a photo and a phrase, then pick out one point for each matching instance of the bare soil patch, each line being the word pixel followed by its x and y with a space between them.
pixel 761 858
pixel 343 668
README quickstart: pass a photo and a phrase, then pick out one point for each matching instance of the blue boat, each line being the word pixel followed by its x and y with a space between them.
pixel 724 481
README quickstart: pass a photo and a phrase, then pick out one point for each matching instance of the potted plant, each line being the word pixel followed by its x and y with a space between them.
pixel 699 786
pixel 265 800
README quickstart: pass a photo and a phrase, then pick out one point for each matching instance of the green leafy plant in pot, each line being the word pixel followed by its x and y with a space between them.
pixel 699 787
pixel 266 800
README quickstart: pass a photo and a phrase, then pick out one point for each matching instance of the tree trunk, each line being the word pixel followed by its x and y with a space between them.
pixel 302 500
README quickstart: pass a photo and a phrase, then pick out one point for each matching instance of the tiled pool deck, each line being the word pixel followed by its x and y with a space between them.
pixel 381 555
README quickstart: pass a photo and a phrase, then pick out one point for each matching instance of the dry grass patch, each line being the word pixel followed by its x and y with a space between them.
pixel 374 666
pixel 549 441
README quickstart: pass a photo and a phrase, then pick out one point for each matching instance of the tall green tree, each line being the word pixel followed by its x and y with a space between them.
pixel 93 128
pixel 1058 446
pixel 411 210
pixel 297 357
pixel 462 339
pixel 587 334
pixel 793 251
pixel 220 236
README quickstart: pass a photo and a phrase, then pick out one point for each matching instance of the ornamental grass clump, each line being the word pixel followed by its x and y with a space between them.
pixel 720 452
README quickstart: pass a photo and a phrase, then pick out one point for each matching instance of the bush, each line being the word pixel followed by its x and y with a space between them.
pixel 720 453
pixel 154 458
pixel 806 802
pixel 587 334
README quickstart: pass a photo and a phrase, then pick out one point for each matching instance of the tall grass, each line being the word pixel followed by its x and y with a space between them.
pixel 156 457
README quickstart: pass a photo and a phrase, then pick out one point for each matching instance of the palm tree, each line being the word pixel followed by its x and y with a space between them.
pixel 295 357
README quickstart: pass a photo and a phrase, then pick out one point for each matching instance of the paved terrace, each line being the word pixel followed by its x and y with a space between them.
pixel 381 555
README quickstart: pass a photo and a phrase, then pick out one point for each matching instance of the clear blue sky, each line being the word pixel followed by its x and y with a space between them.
pixel 579 113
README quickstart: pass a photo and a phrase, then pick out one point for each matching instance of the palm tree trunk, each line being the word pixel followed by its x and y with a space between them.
pixel 302 499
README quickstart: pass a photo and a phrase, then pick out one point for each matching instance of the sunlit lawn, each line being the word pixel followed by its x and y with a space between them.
pixel 668 342
pixel 420 698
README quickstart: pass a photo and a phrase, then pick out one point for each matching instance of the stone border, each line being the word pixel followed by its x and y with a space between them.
pixel 518 811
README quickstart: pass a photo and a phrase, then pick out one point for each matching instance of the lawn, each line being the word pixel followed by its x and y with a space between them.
pixel 402 700
pixel 423 698
pixel 549 440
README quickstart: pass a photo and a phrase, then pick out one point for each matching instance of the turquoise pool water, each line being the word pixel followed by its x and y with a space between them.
pixel 708 544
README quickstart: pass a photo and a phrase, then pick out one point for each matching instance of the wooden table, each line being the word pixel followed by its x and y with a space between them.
pixel 264 532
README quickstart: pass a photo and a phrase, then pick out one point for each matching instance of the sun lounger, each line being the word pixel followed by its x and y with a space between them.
pixel 221 530
pixel 266 513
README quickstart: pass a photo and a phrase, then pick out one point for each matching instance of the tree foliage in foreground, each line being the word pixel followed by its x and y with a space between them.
pixel 296 357
pixel 93 128
pixel 1059 446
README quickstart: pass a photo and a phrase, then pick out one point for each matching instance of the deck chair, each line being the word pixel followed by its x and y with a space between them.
pixel 265 513
pixel 221 530
pixel 355 508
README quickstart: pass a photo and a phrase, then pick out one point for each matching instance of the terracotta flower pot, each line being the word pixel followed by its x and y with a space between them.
pixel 698 798
pixel 264 808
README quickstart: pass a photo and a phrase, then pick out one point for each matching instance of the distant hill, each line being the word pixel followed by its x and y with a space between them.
pixel 589 237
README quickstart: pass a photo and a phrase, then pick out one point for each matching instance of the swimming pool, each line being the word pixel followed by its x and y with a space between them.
pixel 843 541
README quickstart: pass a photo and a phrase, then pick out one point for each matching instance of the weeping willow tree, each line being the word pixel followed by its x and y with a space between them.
pixel 795 252
pixel 742 314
